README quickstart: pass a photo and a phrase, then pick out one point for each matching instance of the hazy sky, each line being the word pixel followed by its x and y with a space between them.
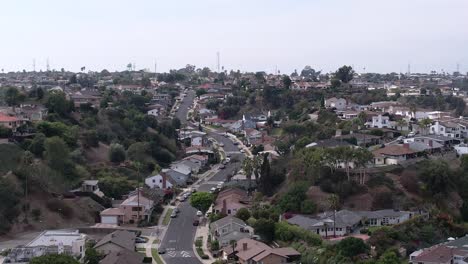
pixel 251 35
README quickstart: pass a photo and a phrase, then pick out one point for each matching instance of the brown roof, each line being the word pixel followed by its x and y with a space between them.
pixel 253 248
pixel 122 238
pixel 439 254
pixel 123 256
pixel 394 150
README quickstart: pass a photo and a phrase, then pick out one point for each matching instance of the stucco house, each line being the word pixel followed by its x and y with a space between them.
pixel 128 211
pixel 229 201
pixel 249 251
pixel 229 228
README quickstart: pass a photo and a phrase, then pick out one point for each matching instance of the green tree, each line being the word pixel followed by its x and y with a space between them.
pixel 345 74
pixel 13 96
pixel 265 228
pixel 58 103
pixel 116 153
pixel 334 203
pixel 138 151
pixel 201 200
pixel 292 200
pixel 243 214
pixel 389 257
pixel 436 175
pixel 54 259
pixel 287 82
pixel 90 138
pixel 57 154
pixel 200 92
pixel 265 186
pixel 9 206
pixel 92 256
pixel 351 246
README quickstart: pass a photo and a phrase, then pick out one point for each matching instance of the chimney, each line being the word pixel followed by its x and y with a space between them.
pixel 224 209
pixel 244 246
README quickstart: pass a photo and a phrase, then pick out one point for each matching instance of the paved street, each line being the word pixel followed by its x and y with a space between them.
pixel 184 106
pixel 180 234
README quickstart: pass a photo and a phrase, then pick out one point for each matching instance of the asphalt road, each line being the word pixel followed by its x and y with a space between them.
pixel 180 235
pixel 184 106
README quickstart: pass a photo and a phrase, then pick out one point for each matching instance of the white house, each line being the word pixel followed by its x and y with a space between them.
pixel 461 149
pixel 447 129
pixel 159 180
pixel 381 121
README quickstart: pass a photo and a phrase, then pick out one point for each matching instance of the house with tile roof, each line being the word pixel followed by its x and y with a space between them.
pixel 249 251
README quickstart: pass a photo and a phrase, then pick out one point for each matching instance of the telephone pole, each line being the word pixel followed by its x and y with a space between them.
pixel 218 61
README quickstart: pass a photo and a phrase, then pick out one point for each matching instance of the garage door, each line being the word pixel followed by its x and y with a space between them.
pixel 109 220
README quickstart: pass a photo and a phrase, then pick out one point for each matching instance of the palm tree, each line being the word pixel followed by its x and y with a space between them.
pixel 334 202
pixel 401 123
pixel 248 169
pixel 425 123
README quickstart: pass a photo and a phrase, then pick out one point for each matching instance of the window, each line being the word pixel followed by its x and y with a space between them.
pixel 154 180
pixel 136 208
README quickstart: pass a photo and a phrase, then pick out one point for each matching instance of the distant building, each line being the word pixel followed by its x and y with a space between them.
pixel 337 103
pixel 128 211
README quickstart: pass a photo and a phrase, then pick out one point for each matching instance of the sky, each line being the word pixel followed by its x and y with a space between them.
pixel 250 35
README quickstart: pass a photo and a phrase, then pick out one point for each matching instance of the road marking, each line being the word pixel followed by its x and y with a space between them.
pixel 172 241
pixel 171 254
pixel 185 254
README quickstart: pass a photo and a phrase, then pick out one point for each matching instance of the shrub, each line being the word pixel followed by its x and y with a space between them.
pixel 58 206
pixel 116 153
pixel 351 246
pixel 36 213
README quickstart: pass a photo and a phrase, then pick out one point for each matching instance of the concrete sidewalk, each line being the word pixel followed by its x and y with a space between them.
pixel 203 231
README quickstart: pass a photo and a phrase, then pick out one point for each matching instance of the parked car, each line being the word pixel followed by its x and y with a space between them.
pixel 176 210
pixel 221 144
pixel 235 143
pixel 140 240
pixel 161 250
pixel 222 167
pixel 199 213
pixel 173 214
pixel 196 222
pixel 213 190
pixel 242 151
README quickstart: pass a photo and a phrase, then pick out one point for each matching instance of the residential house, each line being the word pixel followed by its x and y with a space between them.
pixel 10 122
pixel 440 254
pixel 91 97
pixel 228 229
pixel 124 256
pixel 160 180
pixel 70 243
pixel 381 121
pixel 156 110
pixel 345 222
pixel 132 210
pixel 360 139
pixel 229 201
pixel 448 129
pixel 32 113
pixel 116 241
pixel 199 159
pixel 252 136
pixel 180 177
pixel 249 251
pixel 394 154
pixel 337 103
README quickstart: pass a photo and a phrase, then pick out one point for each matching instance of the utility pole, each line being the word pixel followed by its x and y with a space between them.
pixel 34 65
pixel 218 61
pixel 47 65
pixel 138 191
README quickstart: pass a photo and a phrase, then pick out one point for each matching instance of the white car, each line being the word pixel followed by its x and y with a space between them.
pixel 199 213
pixel 242 151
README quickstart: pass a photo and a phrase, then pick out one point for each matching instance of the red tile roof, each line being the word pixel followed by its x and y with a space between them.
pixel 7 118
